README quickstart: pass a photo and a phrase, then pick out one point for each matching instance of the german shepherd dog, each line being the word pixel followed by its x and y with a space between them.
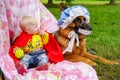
pixel 79 52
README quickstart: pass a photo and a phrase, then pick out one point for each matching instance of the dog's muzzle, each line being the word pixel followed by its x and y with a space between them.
pixel 84 29
pixel 84 32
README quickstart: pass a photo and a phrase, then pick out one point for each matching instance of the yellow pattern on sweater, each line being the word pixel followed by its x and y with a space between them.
pixel 36 42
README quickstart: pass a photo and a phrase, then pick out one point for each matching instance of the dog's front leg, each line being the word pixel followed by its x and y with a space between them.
pixel 84 51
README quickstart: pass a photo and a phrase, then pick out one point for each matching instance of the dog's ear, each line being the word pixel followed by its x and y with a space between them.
pixel 62 6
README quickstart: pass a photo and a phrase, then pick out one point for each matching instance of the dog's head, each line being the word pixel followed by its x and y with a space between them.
pixel 76 18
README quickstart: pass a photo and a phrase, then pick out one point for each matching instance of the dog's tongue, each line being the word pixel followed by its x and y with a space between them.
pixel 84 32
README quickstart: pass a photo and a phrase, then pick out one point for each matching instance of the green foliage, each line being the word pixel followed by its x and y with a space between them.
pixel 105 37
pixel 68 2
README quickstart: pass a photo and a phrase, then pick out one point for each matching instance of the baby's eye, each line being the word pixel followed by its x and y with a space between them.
pixel 34 25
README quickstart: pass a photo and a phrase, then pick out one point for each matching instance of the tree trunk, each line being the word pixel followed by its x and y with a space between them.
pixel 50 2
pixel 112 2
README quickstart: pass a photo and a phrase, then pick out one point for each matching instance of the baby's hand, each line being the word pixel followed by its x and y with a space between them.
pixel 14 50
pixel 42 32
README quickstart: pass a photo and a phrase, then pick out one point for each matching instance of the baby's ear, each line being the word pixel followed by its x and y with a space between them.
pixel 62 6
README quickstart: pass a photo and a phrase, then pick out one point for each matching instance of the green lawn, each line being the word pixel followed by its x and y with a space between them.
pixel 105 37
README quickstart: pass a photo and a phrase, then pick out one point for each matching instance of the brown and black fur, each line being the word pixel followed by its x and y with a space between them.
pixel 78 53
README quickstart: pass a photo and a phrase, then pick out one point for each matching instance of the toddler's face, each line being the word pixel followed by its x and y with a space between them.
pixel 31 27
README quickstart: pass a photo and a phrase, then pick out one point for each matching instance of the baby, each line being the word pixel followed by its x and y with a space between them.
pixel 31 52
pixel 34 47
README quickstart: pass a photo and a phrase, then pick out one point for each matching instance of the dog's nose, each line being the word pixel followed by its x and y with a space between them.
pixel 85 26
pixel 89 28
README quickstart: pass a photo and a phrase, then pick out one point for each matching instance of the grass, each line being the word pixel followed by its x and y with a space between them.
pixel 105 37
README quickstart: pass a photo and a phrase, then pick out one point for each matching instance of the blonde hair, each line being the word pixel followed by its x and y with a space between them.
pixel 26 20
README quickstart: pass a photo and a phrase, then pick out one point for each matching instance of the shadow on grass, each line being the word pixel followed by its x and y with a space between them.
pixel 107 72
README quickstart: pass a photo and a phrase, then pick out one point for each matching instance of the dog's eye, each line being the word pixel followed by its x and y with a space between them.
pixel 77 20
pixel 84 19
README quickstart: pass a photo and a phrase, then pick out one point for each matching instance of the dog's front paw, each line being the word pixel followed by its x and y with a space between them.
pixel 105 61
pixel 113 63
